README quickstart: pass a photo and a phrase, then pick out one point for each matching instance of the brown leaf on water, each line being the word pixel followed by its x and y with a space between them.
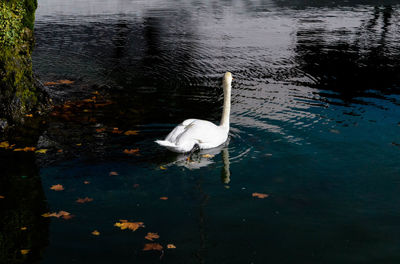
pixel 84 200
pixel 131 132
pixel 2 197
pixel 152 246
pixel 260 195
pixel 150 236
pixel 170 246
pixel 113 173
pixel 99 130
pixel 116 130
pixel 164 198
pixel 29 115
pixel 50 83
pixel 86 182
pixel 25 251
pixel 124 224
pixel 96 233
pixel 131 151
pixel 57 187
pixel 62 214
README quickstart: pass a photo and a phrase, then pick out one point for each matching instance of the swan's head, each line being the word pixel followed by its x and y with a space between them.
pixel 228 78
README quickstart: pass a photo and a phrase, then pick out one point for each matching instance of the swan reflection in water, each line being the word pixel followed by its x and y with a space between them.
pixel 204 158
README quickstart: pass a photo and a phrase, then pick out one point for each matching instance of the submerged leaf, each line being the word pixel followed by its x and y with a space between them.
pixel 23 228
pixel 152 246
pixel 124 224
pixel 260 195
pixel 164 198
pixel 57 187
pixel 150 236
pixel 84 200
pixel 113 173
pixel 86 182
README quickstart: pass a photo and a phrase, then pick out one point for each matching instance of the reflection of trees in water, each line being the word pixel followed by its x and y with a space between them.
pixel 369 62
pixel 22 206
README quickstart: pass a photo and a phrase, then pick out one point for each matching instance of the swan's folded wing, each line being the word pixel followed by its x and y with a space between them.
pixel 178 130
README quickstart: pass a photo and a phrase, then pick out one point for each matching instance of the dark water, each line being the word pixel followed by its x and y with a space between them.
pixel 315 124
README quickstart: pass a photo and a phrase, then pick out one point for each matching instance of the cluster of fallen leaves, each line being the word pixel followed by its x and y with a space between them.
pixel 6 145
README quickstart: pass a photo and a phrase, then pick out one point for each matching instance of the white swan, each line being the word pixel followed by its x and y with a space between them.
pixel 202 133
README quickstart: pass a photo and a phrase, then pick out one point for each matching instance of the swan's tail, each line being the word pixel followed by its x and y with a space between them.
pixel 165 143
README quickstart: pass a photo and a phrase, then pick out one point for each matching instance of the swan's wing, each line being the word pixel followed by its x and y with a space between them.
pixel 200 131
pixel 178 130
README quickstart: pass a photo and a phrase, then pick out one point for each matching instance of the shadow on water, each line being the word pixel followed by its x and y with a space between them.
pixel 22 227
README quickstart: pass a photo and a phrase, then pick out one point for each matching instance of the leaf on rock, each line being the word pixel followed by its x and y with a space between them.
pixel 209 156
pixel 84 200
pixel 170 246
pixel 57 187
pixel 131 151
pixel 124 224
pixel 150 236
pixel 260 195
pixel 96 233
pixel 131 132
pixel 152 246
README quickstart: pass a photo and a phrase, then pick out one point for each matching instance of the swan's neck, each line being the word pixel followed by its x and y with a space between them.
pixel 227 105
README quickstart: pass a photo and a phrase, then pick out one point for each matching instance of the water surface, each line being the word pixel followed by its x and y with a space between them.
pixel 315 124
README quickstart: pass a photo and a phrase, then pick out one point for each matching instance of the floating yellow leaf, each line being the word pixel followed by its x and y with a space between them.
pixel 96 233
pixel 84 200
pixel 162 168
pixel 260 195
pixel 57 187
pixel 24 228
pixel 150 236
pixel 164 198
pixel 25 251
pixel 124 224
pixel 152 246
pixel 4 144
pixel 79 144
pixel 170 246
pixel 131 132
pixel 41 151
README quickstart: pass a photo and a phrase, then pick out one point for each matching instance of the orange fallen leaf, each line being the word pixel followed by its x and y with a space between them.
pixel 23 228
pixel 96 233
pixel 152 246
pixel 86 182
pixel 150 236
pixel 65 82
pixel 162 168
pixel 29 115
pixel 164 198
pixel 2 197
pixel 131 132
pixel 50 83
pixel 26 149
pixel 84 200
pixel 79 144
pixel 25 251
pixel 124 224
pixel 60 150
pixel 170 246
pixel 131 151
pixel 57 187
pixel 63 214
pixel 99 130
pixel 113 173
pixel 260 195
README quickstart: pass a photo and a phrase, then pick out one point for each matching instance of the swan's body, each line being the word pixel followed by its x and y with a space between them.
pixel 202 133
